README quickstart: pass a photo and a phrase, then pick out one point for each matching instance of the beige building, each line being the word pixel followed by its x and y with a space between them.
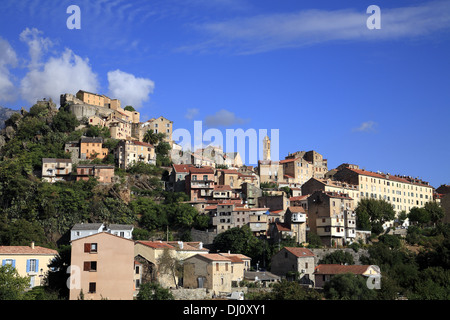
pixel 106 102
pixel 102 172
pixel 211 271
pixel 56 169
pixel 294 260
pixel 316 184
pixel 102 267
pixel 403 192
pixel 129 152
pixel 151 252
pixel 159 125
pixel 331 216
pixel 119 129
pixel 29 261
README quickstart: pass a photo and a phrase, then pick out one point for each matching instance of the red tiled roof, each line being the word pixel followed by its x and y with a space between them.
pixel 222 187
pixel 300 252
pixel 297 209
pixel 288 160
pixel 201 170
pixel 299 198
pixel 26 250
pixel 181 167
pixel 156 244
pixel 340 268
pixel 215 257
pixel 145 144
pixel 281 227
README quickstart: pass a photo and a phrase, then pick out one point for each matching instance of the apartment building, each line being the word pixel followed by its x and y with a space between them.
pixel 317 184
pixel 331 216
pixel 102 267
pixel 129 152
pixel 56 169
pixel 92 148
pixel 119 129
pixel 29 261
pixel 102 172
pixel 200 183
pixel 403 192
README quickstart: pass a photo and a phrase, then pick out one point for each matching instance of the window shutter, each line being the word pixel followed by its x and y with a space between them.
pixel 87 266
pixel 14 263
pixel 37 265
pixel 87 247
pixel 28 265
pixel 3 262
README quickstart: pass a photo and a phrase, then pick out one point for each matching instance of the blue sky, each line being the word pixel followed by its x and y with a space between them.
pixel 312 69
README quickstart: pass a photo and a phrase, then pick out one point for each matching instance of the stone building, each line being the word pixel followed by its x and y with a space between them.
pixel 331 216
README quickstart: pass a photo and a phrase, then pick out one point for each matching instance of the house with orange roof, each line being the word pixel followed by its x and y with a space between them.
pixel 292 262
pixel 324 272
pixel 29 261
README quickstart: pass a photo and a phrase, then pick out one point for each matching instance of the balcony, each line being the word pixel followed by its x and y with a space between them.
pixel 202 184
pixel 298 217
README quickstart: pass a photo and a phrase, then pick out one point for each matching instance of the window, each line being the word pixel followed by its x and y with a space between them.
pixel 32 265
pixel 92 287
pixel 90 266
pixel 90 247
pixel 217 267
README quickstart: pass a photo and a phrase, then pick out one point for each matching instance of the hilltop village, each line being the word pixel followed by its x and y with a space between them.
pixel 89 182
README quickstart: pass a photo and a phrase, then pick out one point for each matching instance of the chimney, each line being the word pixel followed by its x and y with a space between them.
pixel 32 244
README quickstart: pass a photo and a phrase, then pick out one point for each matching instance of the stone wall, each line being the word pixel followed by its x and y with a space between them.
pixel 204 236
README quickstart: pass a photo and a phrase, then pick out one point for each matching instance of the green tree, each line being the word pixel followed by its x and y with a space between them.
pixel 371 214
pixel 129 108
pixel 12 285
pixel 419 215
pixel 291 290
pixel 170 265
pixel 65 121
pixel 435 211
pixel 239 240
pixel 348 286
pixel 57 276
pixel 153 291
pixel 338 257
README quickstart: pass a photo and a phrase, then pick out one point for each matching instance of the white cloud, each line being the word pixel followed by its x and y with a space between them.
pixel 191 113
pixel 66 73
pixel 367 126
pixel 223 118
pixel 7 58
pixel 129 89
pixel 253 34
pixel 37 45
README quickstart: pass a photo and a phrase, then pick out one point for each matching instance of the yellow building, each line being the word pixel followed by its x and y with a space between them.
pixel 159 125
pixel 211 271
pixel 30 261
pixel 403 192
